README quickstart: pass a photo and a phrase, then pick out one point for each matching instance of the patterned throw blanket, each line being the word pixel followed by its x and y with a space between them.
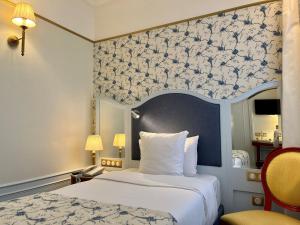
pixel 50 209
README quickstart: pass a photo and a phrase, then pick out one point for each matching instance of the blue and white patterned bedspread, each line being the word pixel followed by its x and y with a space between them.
pixel 49 208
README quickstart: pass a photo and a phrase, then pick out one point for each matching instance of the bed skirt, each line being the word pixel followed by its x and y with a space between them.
pixel 220 214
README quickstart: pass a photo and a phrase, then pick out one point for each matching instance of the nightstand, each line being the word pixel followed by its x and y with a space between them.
pixel 75 180
pixel 263 148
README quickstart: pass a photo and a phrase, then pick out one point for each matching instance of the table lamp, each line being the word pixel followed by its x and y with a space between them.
pixel 119 142
pixel 94 143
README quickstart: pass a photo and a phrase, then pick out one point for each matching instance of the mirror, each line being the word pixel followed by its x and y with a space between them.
pixel 256 129
pixel 111 122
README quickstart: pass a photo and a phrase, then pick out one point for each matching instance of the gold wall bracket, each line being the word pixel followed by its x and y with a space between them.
pixel 13 41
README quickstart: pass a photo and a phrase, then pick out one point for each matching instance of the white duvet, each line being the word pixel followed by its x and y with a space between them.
pixel 191 200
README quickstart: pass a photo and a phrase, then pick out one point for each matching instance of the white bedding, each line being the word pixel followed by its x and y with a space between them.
pixel 191 200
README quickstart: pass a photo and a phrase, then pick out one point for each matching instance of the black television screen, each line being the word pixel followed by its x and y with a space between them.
pixel 267 107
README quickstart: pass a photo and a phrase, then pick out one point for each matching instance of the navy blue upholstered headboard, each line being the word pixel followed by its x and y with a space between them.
pixel 176 112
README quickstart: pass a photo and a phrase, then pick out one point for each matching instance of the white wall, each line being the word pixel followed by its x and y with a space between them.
pixel 76 15
pixel 123 16
pixel 45 96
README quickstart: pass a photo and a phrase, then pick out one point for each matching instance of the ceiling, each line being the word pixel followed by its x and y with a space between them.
pixel 96 2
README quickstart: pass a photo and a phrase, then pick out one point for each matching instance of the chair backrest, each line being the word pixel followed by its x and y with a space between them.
pixel 281 179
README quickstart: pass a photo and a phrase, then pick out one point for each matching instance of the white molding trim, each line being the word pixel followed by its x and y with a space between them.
pixel 32 188
pixel 260 88
pixel 111 101
pixel 163 92
pixel 38 178
pixel 34 183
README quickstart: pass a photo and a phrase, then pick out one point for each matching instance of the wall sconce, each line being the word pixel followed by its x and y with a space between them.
pixel 23 17
pixel 135 114
pixel 119 142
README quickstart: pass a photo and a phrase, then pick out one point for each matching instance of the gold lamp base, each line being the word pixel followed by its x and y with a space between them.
pixel 94 157
pixel 120 152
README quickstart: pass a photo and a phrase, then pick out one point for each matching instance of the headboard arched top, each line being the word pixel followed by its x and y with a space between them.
pixel 169 113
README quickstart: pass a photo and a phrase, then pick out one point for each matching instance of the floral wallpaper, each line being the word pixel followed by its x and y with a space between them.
pixel 220 57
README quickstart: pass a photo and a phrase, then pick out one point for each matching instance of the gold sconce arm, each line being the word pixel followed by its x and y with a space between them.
pixel 13 41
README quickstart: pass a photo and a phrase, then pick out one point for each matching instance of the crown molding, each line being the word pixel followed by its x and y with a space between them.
pixel 142 30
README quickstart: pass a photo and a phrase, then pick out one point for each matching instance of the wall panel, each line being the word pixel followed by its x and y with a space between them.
pixel 45 97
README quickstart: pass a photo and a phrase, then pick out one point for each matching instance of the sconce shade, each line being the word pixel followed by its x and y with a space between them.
pixel 94 143
pixel 24 16
pixel 119 140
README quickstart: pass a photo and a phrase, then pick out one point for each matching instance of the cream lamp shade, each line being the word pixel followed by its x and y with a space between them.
pixel 94 143
pixel 23 15
pixel 119 140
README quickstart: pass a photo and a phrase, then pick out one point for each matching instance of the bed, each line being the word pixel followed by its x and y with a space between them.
pixel 133 198
pixel 125 197
pixel 240 159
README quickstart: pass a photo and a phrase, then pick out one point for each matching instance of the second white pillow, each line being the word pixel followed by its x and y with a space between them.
pixel 190 156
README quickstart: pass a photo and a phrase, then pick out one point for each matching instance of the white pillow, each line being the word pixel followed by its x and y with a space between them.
pixel 162 153
pixel 190 156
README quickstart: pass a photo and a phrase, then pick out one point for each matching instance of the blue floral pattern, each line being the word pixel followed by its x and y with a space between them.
pixel 49 209
pixel 220 57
